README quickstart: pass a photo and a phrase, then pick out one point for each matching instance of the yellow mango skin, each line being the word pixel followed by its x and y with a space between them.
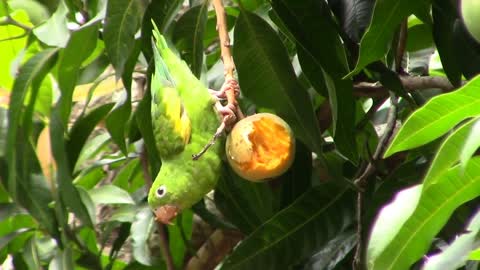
pixel 260 147
pixel 471 17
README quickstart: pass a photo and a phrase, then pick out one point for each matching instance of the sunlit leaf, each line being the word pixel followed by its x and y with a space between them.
pixel 449 153
pixel 142 226
pixel 457 253
pixel 440 114
pixel 110 194
pixel 57 24
pixel 386 17
pixel 401 236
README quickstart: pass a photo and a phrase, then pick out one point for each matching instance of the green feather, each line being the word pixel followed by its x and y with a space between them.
pixel 186 180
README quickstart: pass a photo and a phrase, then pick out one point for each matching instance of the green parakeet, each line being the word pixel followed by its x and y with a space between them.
pixel 184 120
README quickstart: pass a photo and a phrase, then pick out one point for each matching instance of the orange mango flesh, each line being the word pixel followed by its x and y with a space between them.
pixel 271 146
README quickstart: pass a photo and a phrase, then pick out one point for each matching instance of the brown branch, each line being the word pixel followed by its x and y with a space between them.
pixel 226 54
pixel 215 248
pixel 410 83
pixel 362 180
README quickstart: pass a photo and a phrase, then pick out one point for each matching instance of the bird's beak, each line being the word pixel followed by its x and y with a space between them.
pixel 166 213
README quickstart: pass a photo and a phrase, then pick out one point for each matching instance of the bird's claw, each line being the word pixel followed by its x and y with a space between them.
pixel 230 112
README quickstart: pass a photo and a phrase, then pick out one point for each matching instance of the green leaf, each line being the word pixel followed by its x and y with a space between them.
pixel 246 204
pixel 122 21
pixel 6 239
pixel 79 47
pixel 179 237
pixel 297 180
pixel 115 121
pixel 456 254
pixel 143 119
pixel 386 17
pixel 33 70
pixel 404 230
pixel 296 231
pixel 265 71
pixel 56 24
pixel 471 143
pixel 188 36
pixel 449 153
pixel 467 50
pixel 30 254
pixel 437 116
pixel 333 252
pixel 110 194
pixel 444 15
pixel 81 130
pixel 63 260
pixel 163 13
pixel 66 190
pixel 474 255
pixel 140 231
pixel 323 53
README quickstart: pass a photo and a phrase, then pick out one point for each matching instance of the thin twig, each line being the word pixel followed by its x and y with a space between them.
pixel 362 180
pixel 11 21
pixel 402 44
pixel 410 83
pixel 229 67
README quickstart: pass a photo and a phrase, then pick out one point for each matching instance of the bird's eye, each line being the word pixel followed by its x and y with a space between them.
pixel 161 191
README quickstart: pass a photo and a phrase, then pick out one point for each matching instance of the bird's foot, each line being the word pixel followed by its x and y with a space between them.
pixel 230 112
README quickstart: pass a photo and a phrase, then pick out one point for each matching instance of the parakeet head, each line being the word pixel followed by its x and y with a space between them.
pixel 160 199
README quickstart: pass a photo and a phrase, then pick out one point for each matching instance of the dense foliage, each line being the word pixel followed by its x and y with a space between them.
pixel 382 97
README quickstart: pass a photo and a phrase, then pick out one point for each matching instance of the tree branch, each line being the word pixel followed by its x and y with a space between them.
pixel 362 180
pixel 410 83
pixel 215 248
pixel 226 54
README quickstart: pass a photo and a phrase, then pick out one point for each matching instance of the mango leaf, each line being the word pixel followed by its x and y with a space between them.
pixel 244 203
pixel 296 231
pixel 163 13
pixel 33 70
pixel 386 17
pixel 79 47
pixel 297 180
pixel 179 237
pixel 6 239
pixel 188 36
pixel 354 16
pixel 143 118
pixel 110 194
pixel 437 116
pixel 457 253
pixel 140 231
pixel 264 71
pixel 323 53
pixel 404 230
pixel 448 153
pixel 122 21
pixel 57 24
pixel 63 260
pixel 67 192
pixel 81 130
pixel 444 15
pixel 467 50
pixel 471 143
pixel 333 252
